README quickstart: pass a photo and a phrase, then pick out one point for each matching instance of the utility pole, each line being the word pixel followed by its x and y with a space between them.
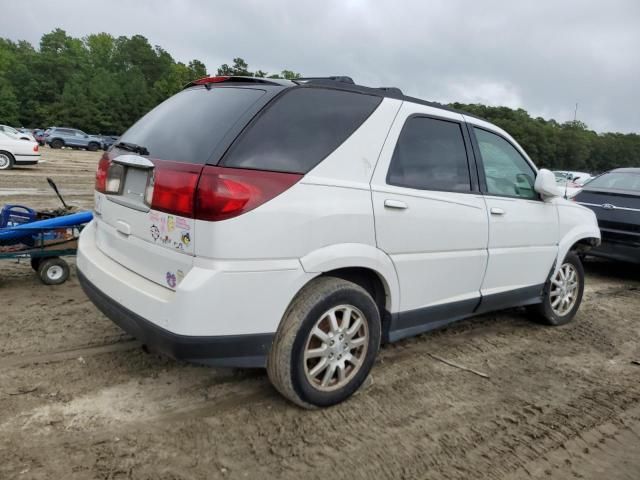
pixel 575 113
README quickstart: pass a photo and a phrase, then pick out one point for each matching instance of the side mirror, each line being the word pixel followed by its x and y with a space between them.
pixel 546 184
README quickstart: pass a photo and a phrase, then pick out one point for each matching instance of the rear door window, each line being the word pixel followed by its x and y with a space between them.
pixel 188 126
pixel 430 155
pixel 300 129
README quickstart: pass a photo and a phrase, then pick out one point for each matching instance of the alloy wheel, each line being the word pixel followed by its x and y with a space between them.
pixel 336 348
pixel 564 289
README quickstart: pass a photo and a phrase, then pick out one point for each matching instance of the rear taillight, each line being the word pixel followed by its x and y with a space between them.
pixel 109 176
pixel 172 188
pixel 36 147
pixel 101 173
pixel 224 193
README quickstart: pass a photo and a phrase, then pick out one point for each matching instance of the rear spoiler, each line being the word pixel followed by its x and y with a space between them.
pixel 207 81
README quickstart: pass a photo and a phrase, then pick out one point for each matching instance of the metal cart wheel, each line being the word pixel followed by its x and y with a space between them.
pixel 53 271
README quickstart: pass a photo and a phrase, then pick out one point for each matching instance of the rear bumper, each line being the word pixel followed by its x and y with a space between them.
pixel 243 351
pixel 27 159
pixel 221 313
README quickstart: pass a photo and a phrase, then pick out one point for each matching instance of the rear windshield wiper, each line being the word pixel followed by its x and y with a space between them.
pixel 132 147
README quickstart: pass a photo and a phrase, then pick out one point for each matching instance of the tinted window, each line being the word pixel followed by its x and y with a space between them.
pixel 506 171
pixel 300 129
pixel 188 126
pixel 430 155
pixel 616 181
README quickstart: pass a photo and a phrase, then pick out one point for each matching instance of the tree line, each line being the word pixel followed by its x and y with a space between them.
pixel 103 84
pixel 99 83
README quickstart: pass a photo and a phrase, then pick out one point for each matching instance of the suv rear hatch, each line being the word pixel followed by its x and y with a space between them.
pixel 146 184
pixel 177 165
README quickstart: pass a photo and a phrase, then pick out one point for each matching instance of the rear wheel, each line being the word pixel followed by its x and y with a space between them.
pixel 57 143
pixel 562 293
pixel 326 344
pixel 53 271
pixel 6 161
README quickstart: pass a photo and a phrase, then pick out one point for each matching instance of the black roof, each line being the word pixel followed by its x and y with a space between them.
pixel 337 82
pixel 388 92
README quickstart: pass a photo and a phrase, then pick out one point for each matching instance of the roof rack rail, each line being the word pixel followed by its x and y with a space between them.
pixel 336 78
pixel 391 90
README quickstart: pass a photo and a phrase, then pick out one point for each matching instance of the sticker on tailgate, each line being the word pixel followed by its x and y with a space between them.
pixel 170 231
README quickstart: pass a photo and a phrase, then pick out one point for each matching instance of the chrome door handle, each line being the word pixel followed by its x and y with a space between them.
pixel 497 211
pixel 395 204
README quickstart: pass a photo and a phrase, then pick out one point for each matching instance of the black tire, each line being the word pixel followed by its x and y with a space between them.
pixel 6 161
pixel 286 365
pixel 544 312
pixel 35 263
pixel 56 143
pixel 93 147
pixel 53 271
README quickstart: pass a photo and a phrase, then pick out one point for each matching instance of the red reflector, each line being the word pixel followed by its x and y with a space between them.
pixel 174 187
pixel 205 80
pixel 228 192
pixel 101 173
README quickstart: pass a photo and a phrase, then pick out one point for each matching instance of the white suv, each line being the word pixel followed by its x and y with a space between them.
pixel 298 225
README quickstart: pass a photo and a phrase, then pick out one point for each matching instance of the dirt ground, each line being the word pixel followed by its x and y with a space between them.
pixel 81 399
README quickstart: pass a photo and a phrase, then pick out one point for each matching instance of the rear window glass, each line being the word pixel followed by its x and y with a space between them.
pixel 188 126
pixel 430 155
pixel 616 181
pixel 300 129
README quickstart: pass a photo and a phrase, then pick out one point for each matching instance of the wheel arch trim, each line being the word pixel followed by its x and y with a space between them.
pixel 355 255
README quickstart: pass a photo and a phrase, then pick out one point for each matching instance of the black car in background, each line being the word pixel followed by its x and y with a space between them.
pixel 615 198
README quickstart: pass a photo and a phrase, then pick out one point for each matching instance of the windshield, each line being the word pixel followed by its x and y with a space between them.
pixel 617 181
pixel 188 126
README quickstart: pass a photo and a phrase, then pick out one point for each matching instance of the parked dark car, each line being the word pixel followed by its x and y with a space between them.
pixel 615 198
pixel 57 137
pixel 108 140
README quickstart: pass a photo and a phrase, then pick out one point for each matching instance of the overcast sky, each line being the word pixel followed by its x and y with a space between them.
pixel 541 55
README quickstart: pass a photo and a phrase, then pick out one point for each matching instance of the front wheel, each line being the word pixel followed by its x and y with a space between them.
pixel 562 293
pixel 93 147
pixel 326 343
pixel 57 143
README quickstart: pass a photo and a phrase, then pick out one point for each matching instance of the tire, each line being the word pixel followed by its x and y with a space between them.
pixel 35 263
pixel 53 271
pixel 57 143
pixel 561 314
pixel 93 147
pixel 6 161
pixel 292 375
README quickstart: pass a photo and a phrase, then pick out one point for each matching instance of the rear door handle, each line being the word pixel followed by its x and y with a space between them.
pixel 395 204
pixel 497 211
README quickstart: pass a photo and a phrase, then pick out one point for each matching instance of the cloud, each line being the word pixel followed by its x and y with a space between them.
pixel 543 56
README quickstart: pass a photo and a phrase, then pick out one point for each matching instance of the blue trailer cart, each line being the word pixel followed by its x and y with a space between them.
pixel 43 237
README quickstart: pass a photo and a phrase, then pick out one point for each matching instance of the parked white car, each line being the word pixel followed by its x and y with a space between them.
pixel 14 151
pixel 298 225
pixel 14 132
